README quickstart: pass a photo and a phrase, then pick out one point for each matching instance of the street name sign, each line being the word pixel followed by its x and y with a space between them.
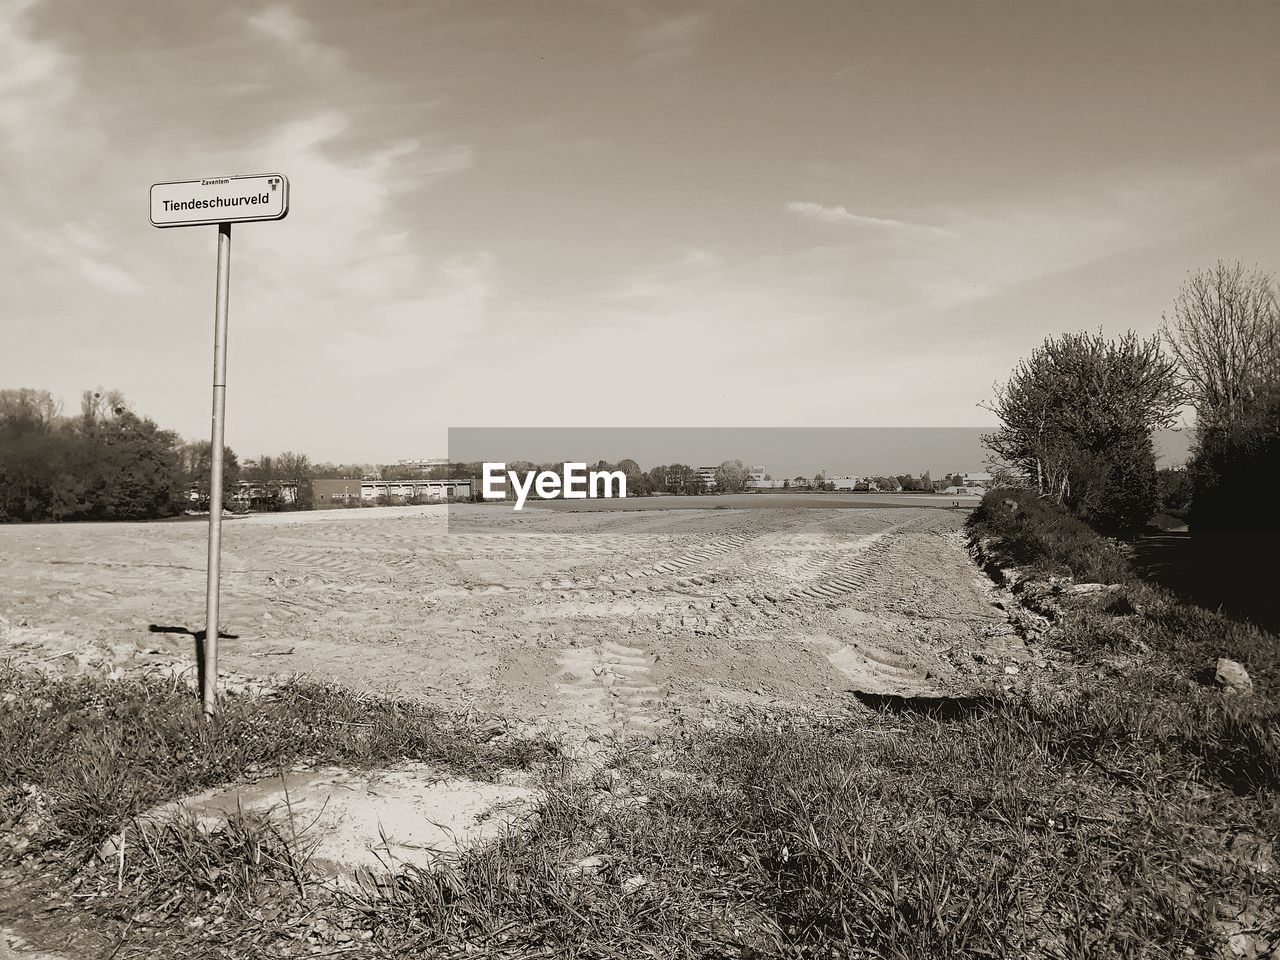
pixel 218 201
pixel 190 203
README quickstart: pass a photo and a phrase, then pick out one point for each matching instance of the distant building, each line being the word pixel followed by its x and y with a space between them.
pixel 329 492
pixel 424 463
pixel 976 479
pixel 708 476
pixel 863 484
pixel 250 492
pixel 340 492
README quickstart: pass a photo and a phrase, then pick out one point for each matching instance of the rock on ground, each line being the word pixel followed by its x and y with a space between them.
pixel 1232 677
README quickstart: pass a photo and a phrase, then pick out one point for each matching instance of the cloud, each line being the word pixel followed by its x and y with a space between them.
pixel 657 280
pixel 37 78
pixel 854 66
pixel 108 278
pixel 282 24
pixel 75 247
pixel 675 38
pixel 825 214
pixel 448 313
pixel 696 257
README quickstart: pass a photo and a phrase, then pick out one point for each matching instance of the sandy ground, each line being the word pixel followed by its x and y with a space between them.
pixel 609 622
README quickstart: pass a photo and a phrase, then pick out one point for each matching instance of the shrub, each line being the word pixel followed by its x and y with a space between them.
pixel 1174 487
pixel 1037 533
pixel 1235 520
pixel 1077 416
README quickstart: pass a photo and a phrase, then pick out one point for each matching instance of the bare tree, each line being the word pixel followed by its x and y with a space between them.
pixel 293 467
pixel 36 410
pixel 99 405
pixel 1225 336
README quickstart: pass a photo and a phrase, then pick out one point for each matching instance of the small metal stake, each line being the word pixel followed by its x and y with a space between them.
pixel 209 686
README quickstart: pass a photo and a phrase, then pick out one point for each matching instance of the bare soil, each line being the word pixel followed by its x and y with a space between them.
pixel 601 622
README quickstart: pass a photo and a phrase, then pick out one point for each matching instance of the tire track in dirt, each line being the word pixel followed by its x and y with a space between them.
pixel 700 599
pixel 609 686
pixel 708 553
pixel 857 568
pixel 874 669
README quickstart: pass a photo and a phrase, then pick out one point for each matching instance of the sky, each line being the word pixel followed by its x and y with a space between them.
pixel 546 214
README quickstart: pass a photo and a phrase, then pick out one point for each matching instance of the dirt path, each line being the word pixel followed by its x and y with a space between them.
pixel 605 622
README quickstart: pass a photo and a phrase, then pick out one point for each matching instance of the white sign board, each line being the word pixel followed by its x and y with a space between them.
pixel 188 203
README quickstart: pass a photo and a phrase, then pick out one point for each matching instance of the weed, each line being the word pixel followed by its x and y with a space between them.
pixel 1046 539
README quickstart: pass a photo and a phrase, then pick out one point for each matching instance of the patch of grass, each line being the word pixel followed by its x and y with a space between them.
pixel 1185 640
pixel 1046 539
pixel 1041 827
pixel 99 753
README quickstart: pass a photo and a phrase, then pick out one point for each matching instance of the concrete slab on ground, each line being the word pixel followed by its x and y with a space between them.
pixel 379 821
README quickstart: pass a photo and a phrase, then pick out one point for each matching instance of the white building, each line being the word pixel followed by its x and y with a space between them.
pixel 412 489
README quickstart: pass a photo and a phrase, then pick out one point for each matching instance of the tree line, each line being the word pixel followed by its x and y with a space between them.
pixel 675 479
pixel 106 462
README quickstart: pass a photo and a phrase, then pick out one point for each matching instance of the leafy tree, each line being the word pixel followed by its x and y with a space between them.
pixel 1077 417
pixel 107 464
pixel 261 470
pixel 1235 522
pixel 343 471
pixel 683 479
pixel 637 479
pixel 193 470
pixel 41 472
pixel 135 471
pixel 656 479
pixel 1174 487
pixel 731 477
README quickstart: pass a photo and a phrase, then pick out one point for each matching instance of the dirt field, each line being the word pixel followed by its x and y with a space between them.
pixel 605 622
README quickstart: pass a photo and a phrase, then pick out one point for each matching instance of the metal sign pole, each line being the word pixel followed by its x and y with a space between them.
pixel 205 202
pixel 209 686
